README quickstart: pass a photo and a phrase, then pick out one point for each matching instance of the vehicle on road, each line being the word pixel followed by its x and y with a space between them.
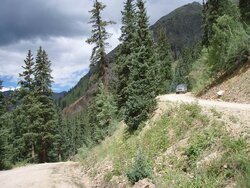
pixel 181 88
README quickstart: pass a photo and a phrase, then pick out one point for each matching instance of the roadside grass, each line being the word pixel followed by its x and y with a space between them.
pixel 204 135
pixel 216 113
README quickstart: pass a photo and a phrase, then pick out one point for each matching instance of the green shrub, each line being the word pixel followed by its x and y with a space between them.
pixel 216 113
pixel 199 142
pixel 228 51
pixel 229 42
pixel 200 74
pixel 82 152
pixel 140 169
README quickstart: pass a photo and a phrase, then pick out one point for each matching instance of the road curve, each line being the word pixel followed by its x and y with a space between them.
pixel 188 98
pixel 237 109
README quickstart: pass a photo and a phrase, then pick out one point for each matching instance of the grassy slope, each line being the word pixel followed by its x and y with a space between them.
pixel 184 146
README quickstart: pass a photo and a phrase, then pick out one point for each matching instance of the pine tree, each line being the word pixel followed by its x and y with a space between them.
pixel 99 38
pixel 9 147
pixel 128 25
pixel 59 141
pixel 2 106
pixel 142 84
pixel 244 6
pixel 127 37
pixel 1 127
pixel 101 113
pixel 46 120
pixel 27 107
pixel 181 73
pixel 230 44
pixel 42 73
pixel 27 82
pixel 212 10
pixel 164 61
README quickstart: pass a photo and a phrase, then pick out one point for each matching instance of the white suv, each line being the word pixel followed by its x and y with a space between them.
pixel 181 88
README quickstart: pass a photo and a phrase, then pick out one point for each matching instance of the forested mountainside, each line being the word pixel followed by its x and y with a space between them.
pixel 183 28
pixel 56 96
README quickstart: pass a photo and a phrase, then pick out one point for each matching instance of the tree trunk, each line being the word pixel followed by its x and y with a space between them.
pixel 33 152
pixel 44 151
pixel 104 71
pixel 44 155
pixel 59 157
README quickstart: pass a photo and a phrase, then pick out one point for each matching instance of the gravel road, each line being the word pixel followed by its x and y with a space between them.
pixel 242 111
pixel 48 175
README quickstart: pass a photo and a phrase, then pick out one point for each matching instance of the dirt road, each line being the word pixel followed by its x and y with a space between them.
pixel 241 111
pixel 188 98
pixel 48 175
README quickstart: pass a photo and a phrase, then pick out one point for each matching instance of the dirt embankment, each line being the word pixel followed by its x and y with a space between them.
pixel 236 88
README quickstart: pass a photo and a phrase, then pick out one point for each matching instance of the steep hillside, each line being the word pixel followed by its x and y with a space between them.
pixel 183 145
pixel 183 28
pixel 80 95
pixel 236 87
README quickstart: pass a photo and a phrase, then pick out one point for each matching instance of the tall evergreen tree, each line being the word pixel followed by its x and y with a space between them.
pixel 244 6
pixel 101 114
pixel 127 37
pixel 212 10
pixel 142 84
pixel 2 110
pixel 230 44
pixel 42 73
pixel 128 24
pixel 27 107
pixel 181 72
pixel 9 146
pixel 46 119
pixel 164 61
pixel 99 38
pixel 27 82
pixel 1 127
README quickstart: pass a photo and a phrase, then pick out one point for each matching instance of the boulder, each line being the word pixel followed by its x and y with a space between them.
pixel 220 93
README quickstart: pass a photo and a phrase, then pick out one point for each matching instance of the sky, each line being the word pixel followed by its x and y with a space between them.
pixel 61 28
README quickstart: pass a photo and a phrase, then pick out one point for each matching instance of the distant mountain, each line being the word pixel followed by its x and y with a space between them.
pixel 8 93
pixel 55 96
pixel 183 28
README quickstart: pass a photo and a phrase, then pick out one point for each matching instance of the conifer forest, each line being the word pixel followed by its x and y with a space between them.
pixel 123 85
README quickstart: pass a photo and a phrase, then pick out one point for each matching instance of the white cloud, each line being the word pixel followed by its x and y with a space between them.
pixel 69 58
pixel 9 89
